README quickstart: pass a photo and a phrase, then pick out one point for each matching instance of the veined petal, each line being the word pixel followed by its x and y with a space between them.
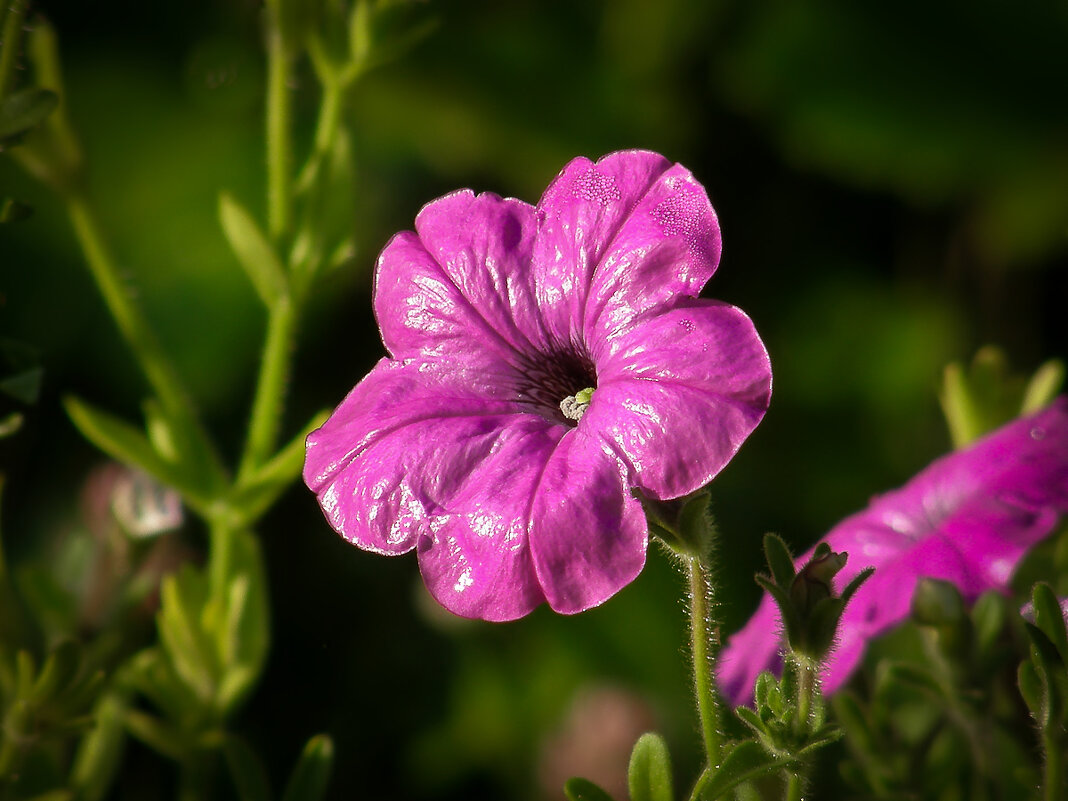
pixel 396 450
pixel 462 282
pixel 680 393
pixel 476 558
pixel 588 534
pixel 580 214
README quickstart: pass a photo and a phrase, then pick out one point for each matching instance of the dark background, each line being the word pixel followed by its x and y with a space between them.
pixel 892 184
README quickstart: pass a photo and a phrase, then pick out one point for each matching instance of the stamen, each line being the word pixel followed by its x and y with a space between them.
pixel 574 406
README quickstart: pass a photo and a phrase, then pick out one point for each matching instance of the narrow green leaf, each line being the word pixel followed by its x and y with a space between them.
pixel 747 760
pixel 250 778
pixel 750 719
pixel 779 559
pixel 253 250
pixel 123 442
pixel 156 734
pixel 99 753
pixel 1050 618
pixel 911 675
pixel 58 670
pixel 578 789
pixel 856 583
pixel 1031 689
pixel 182 599
pixel 244 633
pixel 311 774
pixel 649 775
pixel 989 615
pixel 23 386
pixel 1043 387
pixel 23 110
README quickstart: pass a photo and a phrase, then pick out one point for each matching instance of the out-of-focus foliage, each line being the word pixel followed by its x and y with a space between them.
pixel 892 182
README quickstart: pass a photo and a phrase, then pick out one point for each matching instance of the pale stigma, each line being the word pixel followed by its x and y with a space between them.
pixel 574 406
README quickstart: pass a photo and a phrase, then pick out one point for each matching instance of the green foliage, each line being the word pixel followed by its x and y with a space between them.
pixel 649 775
pixel 311 773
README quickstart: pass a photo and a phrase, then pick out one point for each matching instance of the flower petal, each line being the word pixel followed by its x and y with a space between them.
pixel 580 215
pixel 588 534
pixel 476 559
pixel 461 285
pixel 680 393
pixel 396 450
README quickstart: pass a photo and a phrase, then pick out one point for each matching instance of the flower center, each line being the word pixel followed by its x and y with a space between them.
pixel 559 385
pixel 574 406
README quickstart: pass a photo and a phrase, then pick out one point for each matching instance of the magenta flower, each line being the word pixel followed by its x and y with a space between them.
pixel 545 362
pixel 968 518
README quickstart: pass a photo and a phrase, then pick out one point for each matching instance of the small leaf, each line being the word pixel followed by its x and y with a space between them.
pixel 856 583
pixel 156 734
pixel 123 442
pixel 1049 617
pixel 311 774
pixel 56 673
pixel 247 770
pixel 243 632
pixel 911 675
pixel 855 721
pixel 750 719
pixel 253 250
pixel 182 600
pixel 99 753
pixel 747 760
pixel 12 210
pixel 649 775
pixel 1031 690
pixel 1043 387
pixel 578 789
pixel 24 386
pixel 779 559
pixel 23 110
pixel 989 615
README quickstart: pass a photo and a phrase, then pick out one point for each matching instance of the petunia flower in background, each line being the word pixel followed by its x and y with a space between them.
pixel 544 363
pixel 968 518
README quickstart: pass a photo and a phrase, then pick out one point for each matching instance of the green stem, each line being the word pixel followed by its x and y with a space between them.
pixel 10 36
pixel 806 686
pixel 279 136
pixel 220 557
pixel 704 643
pixel 793 787
pixel 132 324
pixel 1053 770
pixel 270 389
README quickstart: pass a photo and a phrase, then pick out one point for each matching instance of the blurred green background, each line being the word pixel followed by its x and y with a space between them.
pixel 892 184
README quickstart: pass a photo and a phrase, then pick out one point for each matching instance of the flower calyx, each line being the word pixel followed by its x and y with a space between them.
pixel 806 599
pixel 684 524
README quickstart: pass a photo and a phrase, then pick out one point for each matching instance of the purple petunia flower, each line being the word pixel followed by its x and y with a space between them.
pixel 545 361
pixel 968 518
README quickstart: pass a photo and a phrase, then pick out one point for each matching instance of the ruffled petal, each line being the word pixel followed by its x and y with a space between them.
pixel 588 534
pixel 476 559
pixel 397 449
pixel 680 393
pixel 461 285
pixel 580 215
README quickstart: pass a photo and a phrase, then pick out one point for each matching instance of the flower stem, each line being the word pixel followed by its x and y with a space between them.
pixel 704 643
pixel 279 137
pixel 270 388
pixel 134 327
pixel 1053 770
pixel 793 787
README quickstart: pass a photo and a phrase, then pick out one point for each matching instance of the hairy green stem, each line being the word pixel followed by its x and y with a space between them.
pixel 704 643
pixel 270 388
pixel 279 136
pixel 10 36
pixel 793 787
pixel 132 324
pixel 1053 769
